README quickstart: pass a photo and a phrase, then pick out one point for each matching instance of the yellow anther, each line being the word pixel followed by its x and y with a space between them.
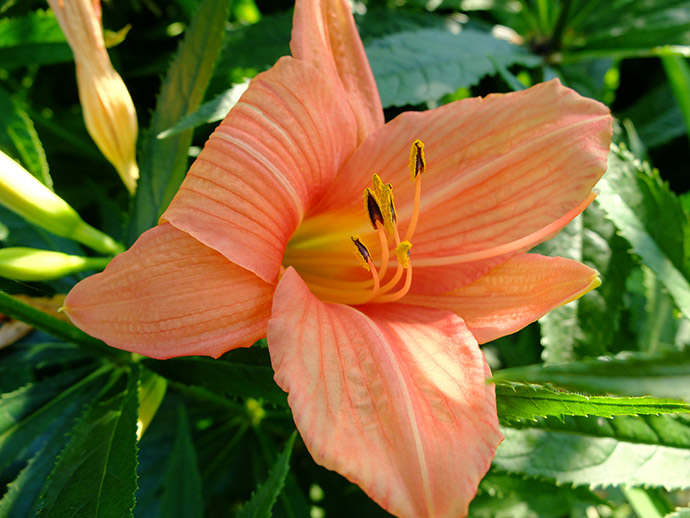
pixel 388 208
pixel 372 207
pixel 417 160
pixel 402 251
pixel 377 185
pixel 362 252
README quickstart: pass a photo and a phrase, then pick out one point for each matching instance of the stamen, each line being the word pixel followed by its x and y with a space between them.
pixel 376 185
pixel 384 250
pixel 372 207
pixel 390 217
pixel 417 159
pixel 401 292
pixel 362 253
pixel 402 251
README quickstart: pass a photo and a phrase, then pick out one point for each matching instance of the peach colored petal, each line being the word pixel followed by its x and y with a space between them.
pixel 392 398
pixel 324 34
pixel 169 295
pixel 514 294
pixel 499 169
pixel 273 156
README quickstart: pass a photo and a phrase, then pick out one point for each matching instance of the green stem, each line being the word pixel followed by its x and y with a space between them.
pixel 99 241
pixel 13 308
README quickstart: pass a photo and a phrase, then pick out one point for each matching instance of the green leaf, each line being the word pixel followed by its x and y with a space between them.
pixel 163 162
pixel 232 379
pixel 211 111
pixel 18 138
pixel 413 67
pixel 650 216
pixel 592 461
pixel 659 375
pixel 503 495
pixel 680 512
pixel 631 28
pixel 35 38
pixel 27 429
pixel 182 496
pixel 587 326
pixel 95 475
pixel 520 401
pixel 656 117
pixel 261 501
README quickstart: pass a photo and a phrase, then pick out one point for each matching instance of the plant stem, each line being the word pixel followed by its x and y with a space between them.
pixel 13 308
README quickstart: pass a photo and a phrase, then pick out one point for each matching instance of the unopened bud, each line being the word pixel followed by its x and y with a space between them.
pixel 24 194
pixel 30 264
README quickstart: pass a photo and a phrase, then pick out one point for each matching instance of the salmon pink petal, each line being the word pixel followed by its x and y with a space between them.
pixel 503 173
pixel 324 34
pixel 514 294
pixel 393 398
pixel 169 295
pixel 273 157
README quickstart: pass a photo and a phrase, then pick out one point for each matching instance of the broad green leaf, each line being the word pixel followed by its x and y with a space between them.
pixel 520 401
pixel 503 495
pixel 20 403
pixel 413 67
pixel 592 461
pixel 163 162
pixel 656 116
pixel 262 501
pixel 32 39
pixel 587 326
pixel 24 433
pixel 95 476
pixel 631 28
pixel 226 378
pixel 659 375
pixel 18 138
pixel 212 111
pixel 182 496
pixel 680 512
pixel 651 218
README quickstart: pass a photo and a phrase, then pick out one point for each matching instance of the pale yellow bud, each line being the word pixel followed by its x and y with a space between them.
pixel 30 264
pixel 24 194
pixel 108 108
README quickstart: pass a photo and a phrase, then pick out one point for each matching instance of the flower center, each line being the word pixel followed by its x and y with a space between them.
pixel 385 284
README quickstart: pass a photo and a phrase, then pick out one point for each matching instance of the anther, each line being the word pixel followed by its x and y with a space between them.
pixel 390 217
pixel 362 253
pixel 376 185
pixel 371 205
pixel 402 252
pixel 417 159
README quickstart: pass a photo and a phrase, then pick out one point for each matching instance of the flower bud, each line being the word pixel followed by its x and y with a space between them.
pixel 108 108
pixel 24 194
pixel 30 264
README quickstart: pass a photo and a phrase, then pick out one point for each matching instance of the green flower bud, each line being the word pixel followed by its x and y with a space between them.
pixel 24 194
pixel 30 264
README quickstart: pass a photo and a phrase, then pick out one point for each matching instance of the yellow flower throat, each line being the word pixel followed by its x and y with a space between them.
pixel 380 209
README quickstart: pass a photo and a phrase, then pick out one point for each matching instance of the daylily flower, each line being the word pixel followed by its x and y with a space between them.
pixel 108 108
pixel 385 378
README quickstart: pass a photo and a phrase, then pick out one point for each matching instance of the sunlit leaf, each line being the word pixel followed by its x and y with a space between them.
pixel 423 65
pixel 519 401
pixel 660 375
pixel 652 220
